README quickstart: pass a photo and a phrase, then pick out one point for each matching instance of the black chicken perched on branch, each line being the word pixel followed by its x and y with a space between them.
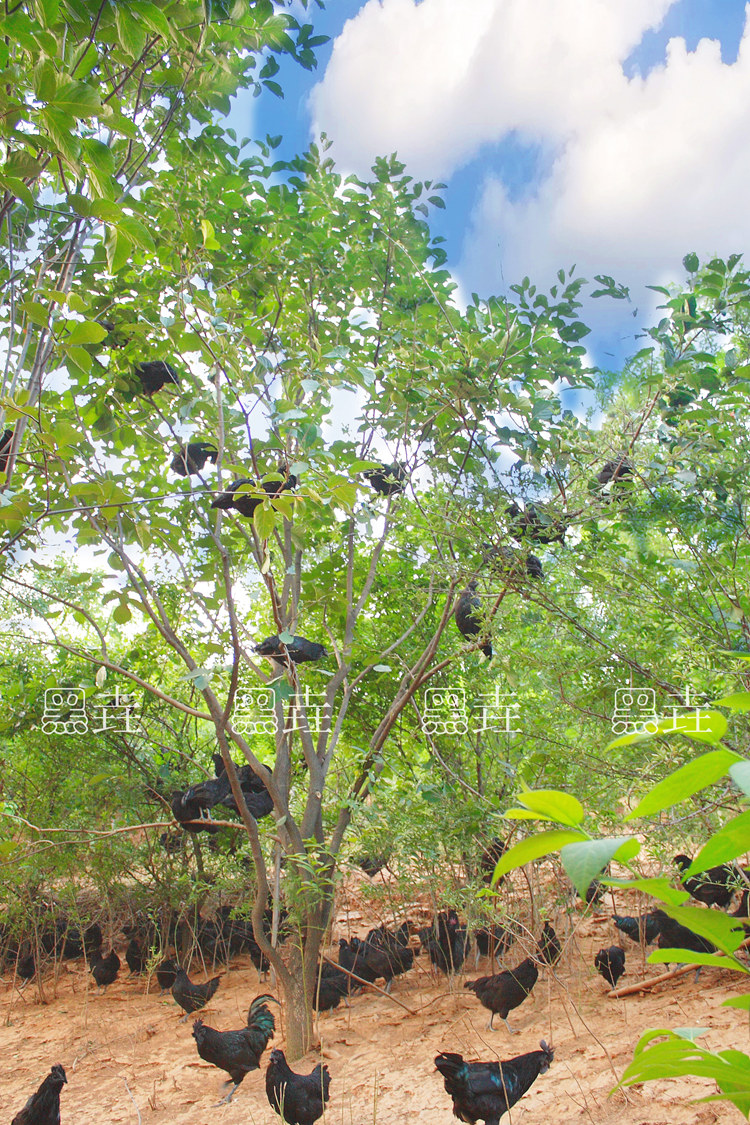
pixel 191 458
pixel 237 1052
pixel 485 1091
pixel 155 374
pixel 510 563
pixel 299 650
pixel 388 480
pixel 503 992
pixel 43 1107
pixel 535 524
pixel 205 795
pixel 240 494
pixel 468 615
pixel 299 1099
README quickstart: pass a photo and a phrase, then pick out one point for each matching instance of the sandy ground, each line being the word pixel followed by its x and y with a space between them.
pixel 128 1059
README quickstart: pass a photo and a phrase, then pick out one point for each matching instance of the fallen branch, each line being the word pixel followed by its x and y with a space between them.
pixel 647 985
pixel 369 984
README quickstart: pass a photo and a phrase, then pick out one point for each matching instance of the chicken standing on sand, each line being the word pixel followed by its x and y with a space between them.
pixel 503 992
pixel 191 996
pixel 299 1099
pixel 485 1091
pixel 237 1052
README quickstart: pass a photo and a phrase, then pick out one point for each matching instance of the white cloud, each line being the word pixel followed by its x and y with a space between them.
pixel 640 171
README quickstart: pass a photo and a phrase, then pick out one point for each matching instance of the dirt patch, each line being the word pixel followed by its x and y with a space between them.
pixel 128 1058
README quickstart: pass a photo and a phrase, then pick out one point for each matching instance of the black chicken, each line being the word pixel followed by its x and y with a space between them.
pixel 503 992
pixel 191 458
pixel 166 974
pixel 371 864
pixel 242 494
pixel 237 1052
pixel 490 858
pixel 5 441
pixel 492 941
pixel 484 1091
pixel 615 470
pixel 388 480
pixel 673 935
pixel 550 949
pixel 332 987
pixel 192 996
pixel 714 887
pixel 446 942
pixel 135 956
pixel 104 970
pixel 468 615
pixel 535 524
pixel 299 1099
pixel 510 563
pixel 395 946
pixel 43 1107
pixel 645 928
pixel 155 374
pixel 299 650
pixel 610 963
pixel 186 812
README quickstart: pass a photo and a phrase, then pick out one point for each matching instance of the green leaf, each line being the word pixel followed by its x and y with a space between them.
pixel 685 781
pixel 119 248
pixel 730 841
pixel 85 332
pixel 585 860
pixel 678 956
pixel 77 99
pixel 725 932
pixel 740 775
pixel 739 701
pixel 209 237
pixel 264 520
pixel 658 888
pixel 742 1002
pixel 691 262
pixel 121 613
pixel 129 31
pixel 136 231
pixel 534 848
pixel 554 805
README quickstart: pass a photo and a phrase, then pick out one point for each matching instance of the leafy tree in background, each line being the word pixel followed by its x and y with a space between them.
pixel 314 333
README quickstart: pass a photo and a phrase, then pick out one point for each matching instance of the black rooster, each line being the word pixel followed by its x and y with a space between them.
pixel 388 480
pixel 485 1091
pixel 610 963
pixel 135 957
pixel 492 941
pixel 550 949
pixel 191 996
pixel 191 458
pixel 299 1099
pixel 155 374
pixel 503 992
pixel 237 1052
pixel 299 650
pixel 395 946
pixel 468 615
pixel 43 1107
pixel 645 928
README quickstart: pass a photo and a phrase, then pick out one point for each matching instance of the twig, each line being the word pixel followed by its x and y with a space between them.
pixel 371 985
pixel 647 985
pixel 132 1100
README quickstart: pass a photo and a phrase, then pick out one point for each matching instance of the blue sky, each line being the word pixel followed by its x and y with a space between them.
pixel 614 134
